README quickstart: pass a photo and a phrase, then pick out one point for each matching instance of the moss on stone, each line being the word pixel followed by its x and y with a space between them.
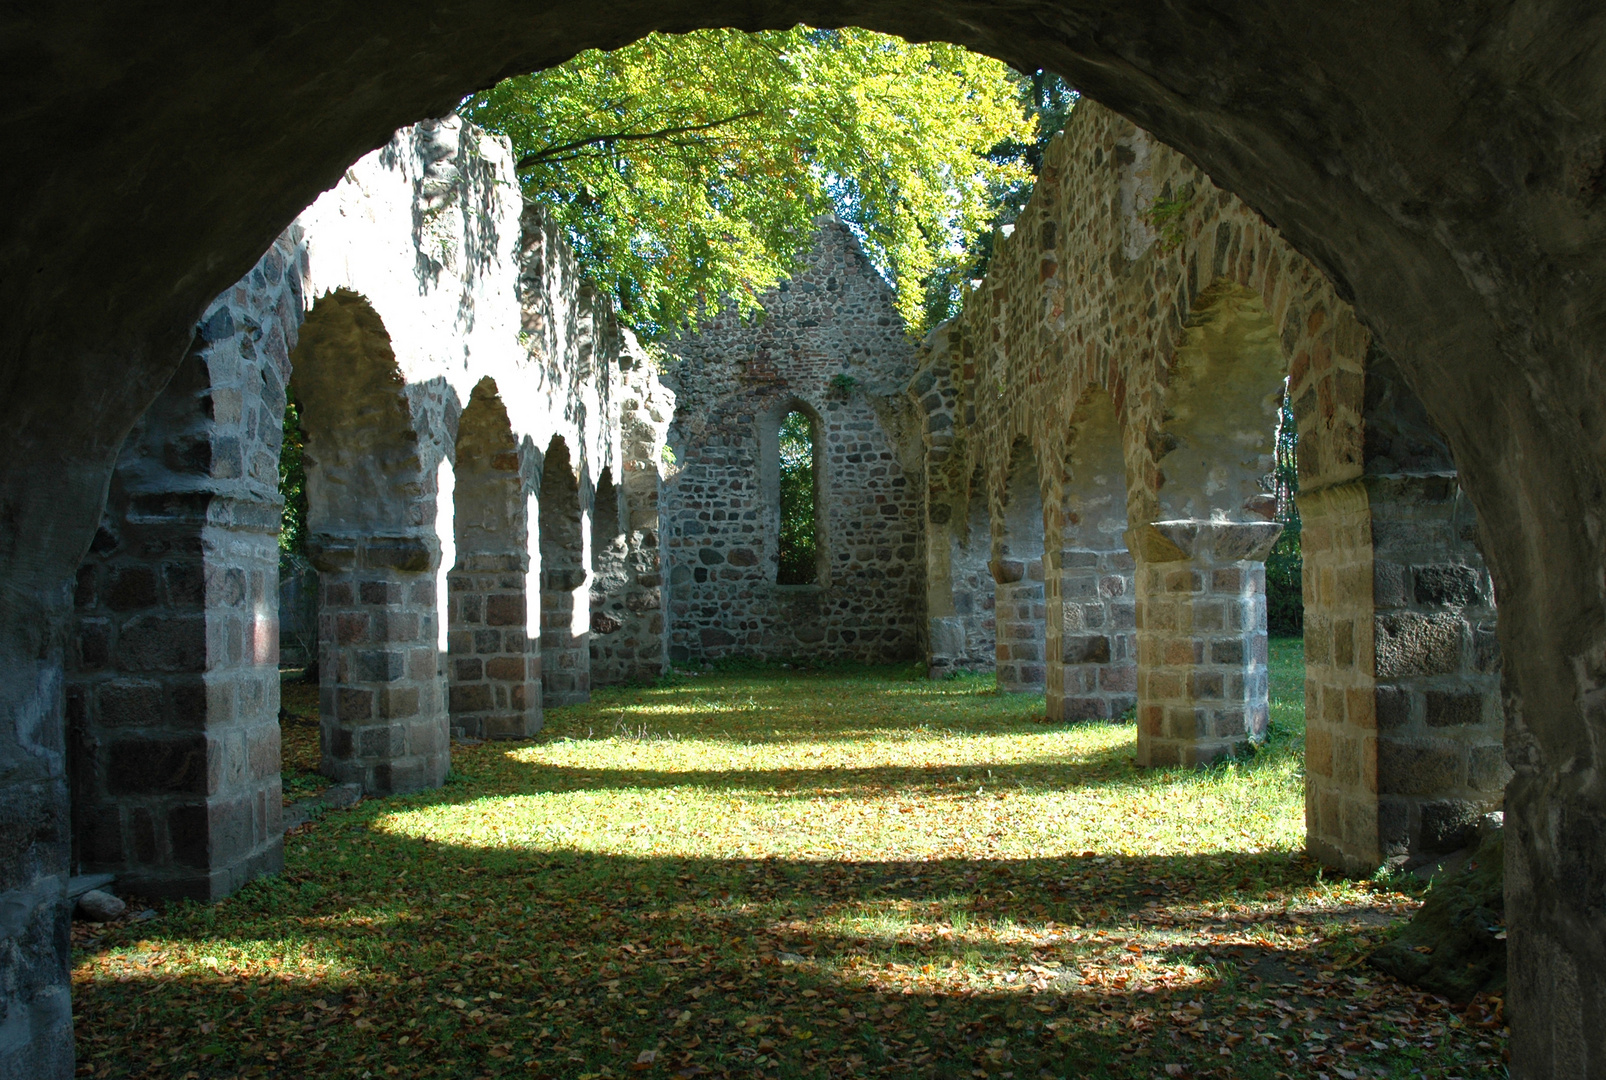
pixel 1456 944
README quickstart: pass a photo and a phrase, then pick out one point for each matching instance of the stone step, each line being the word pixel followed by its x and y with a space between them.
pixel 77 886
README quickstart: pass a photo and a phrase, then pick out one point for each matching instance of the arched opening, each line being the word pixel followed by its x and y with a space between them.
pixel 1017 567
pixel 565 610
pixel 1201 578
pixel 799 551
pixel 1092 616
pixel 612 652
pixel 1221 411
pixel 493 690
pixel 370 516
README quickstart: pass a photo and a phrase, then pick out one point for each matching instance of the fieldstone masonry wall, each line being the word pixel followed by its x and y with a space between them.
pixel 173 690
pixel 735 380
pixel 1137 322
pixel 416 288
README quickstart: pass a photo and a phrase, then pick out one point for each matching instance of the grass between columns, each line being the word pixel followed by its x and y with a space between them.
pixel 769 872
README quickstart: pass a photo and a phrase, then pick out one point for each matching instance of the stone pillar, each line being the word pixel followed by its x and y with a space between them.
pixel 628 631
pixel 384 720
pixel 1201 622
pixel 1340 711
pixel 1403 714
pixel 1404 719
pixel 172 682
pixel 961 595
pixel 1091 634
pixel 493 670
pixel 494 673
pixel 565 647
pixel 1021 602
pixel 173 697
pixel 1021 612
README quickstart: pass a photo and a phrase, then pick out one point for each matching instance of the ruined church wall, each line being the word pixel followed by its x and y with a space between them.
pixel 735 378
pixel 1131 286
pixel 418 284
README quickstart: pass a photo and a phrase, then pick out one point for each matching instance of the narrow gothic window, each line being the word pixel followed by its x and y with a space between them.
pixel 799 506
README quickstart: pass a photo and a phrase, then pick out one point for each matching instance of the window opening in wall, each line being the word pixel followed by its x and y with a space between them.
pixel 799 542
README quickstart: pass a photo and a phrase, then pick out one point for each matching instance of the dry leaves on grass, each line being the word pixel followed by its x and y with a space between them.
pixel 783 875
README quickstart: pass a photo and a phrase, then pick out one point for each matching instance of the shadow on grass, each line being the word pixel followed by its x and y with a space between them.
pixel 458 957
pixel 1102 769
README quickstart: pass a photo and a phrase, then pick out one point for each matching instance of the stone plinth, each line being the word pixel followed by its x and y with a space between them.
pixel 384 721
pixel 1201 623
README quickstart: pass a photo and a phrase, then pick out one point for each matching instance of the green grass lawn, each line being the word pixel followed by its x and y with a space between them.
pixel 780 873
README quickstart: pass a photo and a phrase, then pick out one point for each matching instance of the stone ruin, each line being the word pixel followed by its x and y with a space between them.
pixel 508 503
pixel 423 318
pixel 477 432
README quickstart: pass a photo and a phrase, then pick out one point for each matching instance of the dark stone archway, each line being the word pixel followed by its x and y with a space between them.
pixel 1445 165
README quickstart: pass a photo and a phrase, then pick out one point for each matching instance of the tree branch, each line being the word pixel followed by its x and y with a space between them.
pixel 529 161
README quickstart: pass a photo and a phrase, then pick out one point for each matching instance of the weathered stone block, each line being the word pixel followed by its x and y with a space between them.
pixel 504 609
pixel 158 765
pixel 470 697
pixel 1408 643
pixel 173 643
pixel 1448 824
pixel 1487 769
pixel 131 588
pixel 1417 768
pixel 1451 708
pixel 1446 585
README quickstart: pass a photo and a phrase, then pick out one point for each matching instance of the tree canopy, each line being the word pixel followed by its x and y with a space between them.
pixel 689 168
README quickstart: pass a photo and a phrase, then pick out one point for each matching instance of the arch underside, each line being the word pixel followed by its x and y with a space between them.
pixel 1337 122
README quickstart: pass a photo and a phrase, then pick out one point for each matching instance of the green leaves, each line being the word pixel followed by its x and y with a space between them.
pixel 799 512
pixel 690 168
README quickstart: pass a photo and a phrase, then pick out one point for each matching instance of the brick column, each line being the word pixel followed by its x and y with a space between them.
pixel 384 720
pixel 494 672
pixel 1201 622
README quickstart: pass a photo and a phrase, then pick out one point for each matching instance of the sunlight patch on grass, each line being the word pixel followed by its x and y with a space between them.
pixel 788 874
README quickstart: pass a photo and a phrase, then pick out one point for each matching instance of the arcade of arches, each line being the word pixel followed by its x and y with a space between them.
pixel 495 528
